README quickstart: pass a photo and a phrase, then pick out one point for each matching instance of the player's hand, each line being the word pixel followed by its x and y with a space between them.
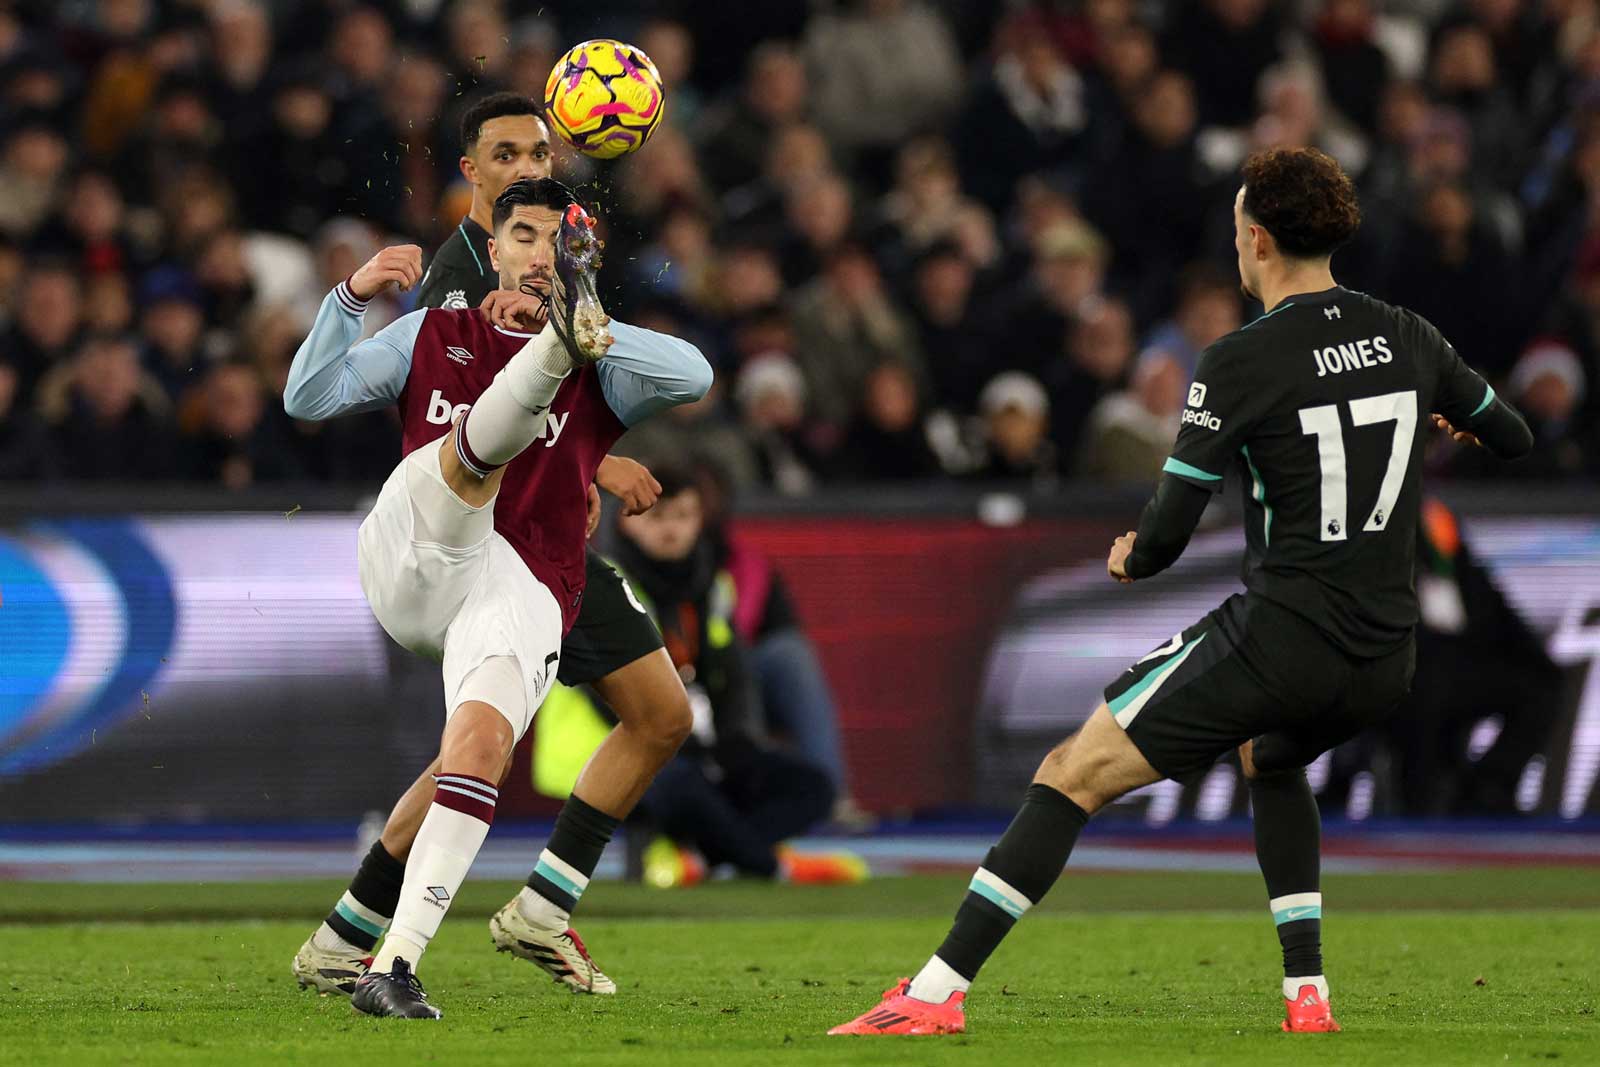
pixel 630 482
pixel 398 265
pixel 1117 565
pixel 512 309
pixel 1462 437
pixel 593 522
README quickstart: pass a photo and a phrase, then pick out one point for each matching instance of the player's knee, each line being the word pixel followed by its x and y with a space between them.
pixel 478 741
pixel 670 722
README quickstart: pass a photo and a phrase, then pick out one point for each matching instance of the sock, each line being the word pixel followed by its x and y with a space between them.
pixel 1291 986
pixel 566 864
pixel 1288 831
pixel 363 913
pixel 448 842
pixel 1016 874
pixel 510 414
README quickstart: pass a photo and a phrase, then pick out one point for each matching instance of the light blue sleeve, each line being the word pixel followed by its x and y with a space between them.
pixel 645 372
pixel 335 373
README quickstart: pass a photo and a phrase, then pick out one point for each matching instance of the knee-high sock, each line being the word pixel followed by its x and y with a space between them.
pixel 566 864
pixel 1288 831
pixel 1016 874
pixel 448 842
pixel 510 414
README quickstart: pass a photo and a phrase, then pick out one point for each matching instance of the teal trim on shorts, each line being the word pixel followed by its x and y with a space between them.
pixel 1178 466
pixel 1154 678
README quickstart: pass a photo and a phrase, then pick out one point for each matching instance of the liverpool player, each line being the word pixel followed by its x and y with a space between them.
pixel 474 552
pixel 1321 407
pixel 613 647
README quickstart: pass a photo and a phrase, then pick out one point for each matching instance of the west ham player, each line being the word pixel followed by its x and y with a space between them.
pixel 613 646
pixel 474 552
pixel 1320 406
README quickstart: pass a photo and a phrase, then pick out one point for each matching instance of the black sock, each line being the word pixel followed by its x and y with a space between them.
pixel 363 913
pixel 1016 874
pixel 570 857
pixel 1289 848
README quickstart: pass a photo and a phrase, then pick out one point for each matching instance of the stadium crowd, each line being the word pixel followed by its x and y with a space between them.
pixel 918 239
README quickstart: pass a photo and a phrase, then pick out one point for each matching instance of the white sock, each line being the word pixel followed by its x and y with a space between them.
pixel 542 912
pixel 328 940
pixel 936 981
pixel 510 415
pixel 1291 986
pixel 448 842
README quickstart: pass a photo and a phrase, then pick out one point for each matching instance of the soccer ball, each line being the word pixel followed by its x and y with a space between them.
pixel 604 98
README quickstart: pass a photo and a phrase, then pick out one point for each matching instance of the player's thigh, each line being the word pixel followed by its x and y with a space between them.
pixel 1373 691
pixel 420 553
pixel 612 629
pixel 1197 696
pixel 509 615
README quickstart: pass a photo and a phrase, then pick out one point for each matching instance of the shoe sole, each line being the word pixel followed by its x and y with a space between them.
pixel 324 984
pixel 585 338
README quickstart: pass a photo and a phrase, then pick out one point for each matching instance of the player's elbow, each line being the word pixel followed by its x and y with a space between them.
pixel 297 405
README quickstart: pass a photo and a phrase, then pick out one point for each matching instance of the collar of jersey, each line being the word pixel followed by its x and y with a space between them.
pixel 513 333
pixel 471 244
pixel 1319 297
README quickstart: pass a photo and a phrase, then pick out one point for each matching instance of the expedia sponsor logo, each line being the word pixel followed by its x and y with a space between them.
pixel 1203 419
pixel 1197 395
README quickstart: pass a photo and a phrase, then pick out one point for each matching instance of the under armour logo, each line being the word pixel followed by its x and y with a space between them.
pixel 459 355
pixel 1332 312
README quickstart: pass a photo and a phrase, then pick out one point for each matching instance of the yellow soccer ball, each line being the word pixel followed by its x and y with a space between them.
pixel 604 98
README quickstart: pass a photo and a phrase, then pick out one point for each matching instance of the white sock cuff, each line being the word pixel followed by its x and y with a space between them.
pixel 1292 986
pixel 936 981
pixel 999 892
pixel 1293 907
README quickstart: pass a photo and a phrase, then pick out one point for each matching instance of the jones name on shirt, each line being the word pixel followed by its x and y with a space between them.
pixel 1358 355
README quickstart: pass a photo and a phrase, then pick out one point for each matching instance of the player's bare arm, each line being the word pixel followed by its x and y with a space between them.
pixel 630 482
pixel 1121 548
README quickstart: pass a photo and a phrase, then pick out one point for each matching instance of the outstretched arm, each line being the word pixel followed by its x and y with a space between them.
pixel 335 372
pixel 645 372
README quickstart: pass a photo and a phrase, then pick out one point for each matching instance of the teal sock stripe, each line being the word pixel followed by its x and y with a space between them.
pixel 559 880
pixel 349 916
pixel 1294 915
pixel 998 899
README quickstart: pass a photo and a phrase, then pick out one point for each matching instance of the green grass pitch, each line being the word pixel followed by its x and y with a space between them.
pixel 1466 967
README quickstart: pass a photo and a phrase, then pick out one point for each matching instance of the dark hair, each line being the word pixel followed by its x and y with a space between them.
pixel 674 477
pixel 493 106
pixel 1303 198
pixel 531 192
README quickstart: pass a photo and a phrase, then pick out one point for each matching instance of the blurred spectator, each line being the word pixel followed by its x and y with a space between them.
pixel 298 136
pixel 1353 65
pixel 180 132
pixel 670 47
pixel 926 205
pixel 1016 431
pixel 1549 385
pixel 1028 115
pixel 771 394
pixel 107 304
pixel 797 155
pixel 92 225
pixel 867 105
pixel 110 421
pixel 241 54
pixel 1068 273
pixel 748 278
pixel 1208 308
pixel 49 314
pixel 1463 76
pixel 819 214
pixel 232 441
pixel 172 323
pixel 958 347
pixel 845 326
pixel 728 794
pixel 737 135
pixel 24 448
pixel 1225 46
pixel 1099 351
pixel 887 441
pixel 32 162
pixel 1131 432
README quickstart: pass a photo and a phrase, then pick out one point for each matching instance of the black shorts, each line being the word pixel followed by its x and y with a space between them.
pixel 612 629
pixel 1253 669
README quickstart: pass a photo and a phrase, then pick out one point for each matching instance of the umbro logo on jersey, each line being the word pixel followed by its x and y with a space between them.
pixel 1197 395
pixel 442 413
pixel 1203 419
pixel 459 355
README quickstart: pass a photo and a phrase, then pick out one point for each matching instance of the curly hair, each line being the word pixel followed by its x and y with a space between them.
pixel 1303 198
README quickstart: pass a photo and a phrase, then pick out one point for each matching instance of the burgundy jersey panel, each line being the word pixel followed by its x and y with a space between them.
pixel 543 505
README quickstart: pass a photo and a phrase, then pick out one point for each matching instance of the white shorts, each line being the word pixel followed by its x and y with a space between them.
pixel 445 585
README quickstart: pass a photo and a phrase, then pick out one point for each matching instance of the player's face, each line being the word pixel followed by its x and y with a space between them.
pixel 1244 244
pixel 509 148
pixel 523 250
pixel 667 532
